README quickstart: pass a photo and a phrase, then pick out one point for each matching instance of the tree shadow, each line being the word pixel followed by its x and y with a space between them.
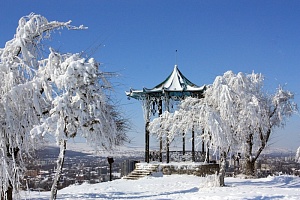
pixel 266 198
pixel 122 195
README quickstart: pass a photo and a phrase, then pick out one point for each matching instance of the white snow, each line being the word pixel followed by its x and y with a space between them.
pixel 181 187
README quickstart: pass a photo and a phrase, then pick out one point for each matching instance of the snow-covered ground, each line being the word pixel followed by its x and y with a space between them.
pixel 181 187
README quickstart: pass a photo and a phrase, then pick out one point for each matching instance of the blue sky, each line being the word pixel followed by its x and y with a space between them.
pixel 138 40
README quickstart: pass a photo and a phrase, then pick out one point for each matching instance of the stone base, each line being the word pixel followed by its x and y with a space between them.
pixel 191 168
pixel 202 169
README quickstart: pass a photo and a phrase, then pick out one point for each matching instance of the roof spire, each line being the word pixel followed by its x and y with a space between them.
pixel 176 57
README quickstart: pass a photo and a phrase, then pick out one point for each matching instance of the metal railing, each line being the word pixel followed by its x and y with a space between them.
pixel 178 156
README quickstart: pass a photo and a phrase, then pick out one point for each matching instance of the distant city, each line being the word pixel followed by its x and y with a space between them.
pixel 87 168
pixel 78 168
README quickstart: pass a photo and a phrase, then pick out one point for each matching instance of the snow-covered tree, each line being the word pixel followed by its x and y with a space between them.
pixel 253 114
pixel 235 114
pixel 63 95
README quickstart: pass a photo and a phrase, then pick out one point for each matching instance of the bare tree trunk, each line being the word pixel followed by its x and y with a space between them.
pixel 8 194
pixel 249 167
pixel 223 158
pixel 60 162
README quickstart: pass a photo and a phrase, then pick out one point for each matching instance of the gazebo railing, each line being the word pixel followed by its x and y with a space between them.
pixel 178 156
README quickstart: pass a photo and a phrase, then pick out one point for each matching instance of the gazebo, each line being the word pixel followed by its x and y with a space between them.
pixel 175 88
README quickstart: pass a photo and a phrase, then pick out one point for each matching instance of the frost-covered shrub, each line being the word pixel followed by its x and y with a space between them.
pixel 210 181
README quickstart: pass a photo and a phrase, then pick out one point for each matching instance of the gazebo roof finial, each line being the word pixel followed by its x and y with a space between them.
pixel 176 57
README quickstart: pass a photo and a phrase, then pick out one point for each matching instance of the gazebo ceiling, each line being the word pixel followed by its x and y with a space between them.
pixel 176 85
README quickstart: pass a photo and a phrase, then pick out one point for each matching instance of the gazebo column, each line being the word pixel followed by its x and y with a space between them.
pixel 168 141
pixel 160 138
pixel 193 144
pixel 202 151
pixel 168 150
pixel 207 155
pixel 147 133
pixel 147 139
pixel 207 147
pixel 183 143
pixel 160 148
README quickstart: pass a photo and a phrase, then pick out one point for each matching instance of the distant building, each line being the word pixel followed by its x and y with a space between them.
pixel 102 170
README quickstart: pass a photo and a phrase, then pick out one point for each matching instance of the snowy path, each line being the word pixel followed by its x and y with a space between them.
pixel 181 187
